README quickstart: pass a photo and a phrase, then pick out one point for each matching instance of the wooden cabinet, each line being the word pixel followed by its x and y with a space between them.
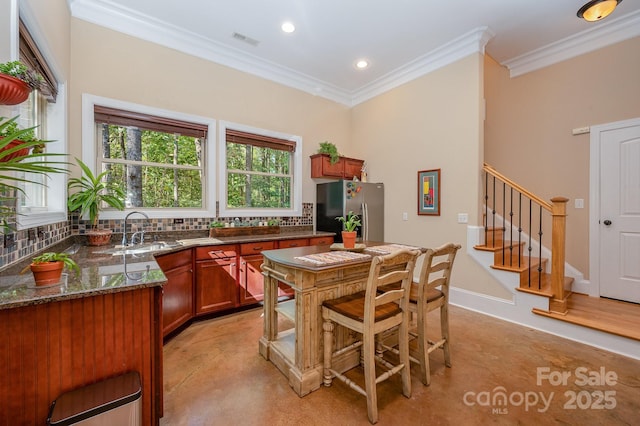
pixel 345 168
pixel 320 241
pixel 250 275
pixel 177 293
pixel 283 289
pixel 216 277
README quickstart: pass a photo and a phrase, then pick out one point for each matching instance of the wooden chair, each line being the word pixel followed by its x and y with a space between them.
pixel 430 293
pixel 371 313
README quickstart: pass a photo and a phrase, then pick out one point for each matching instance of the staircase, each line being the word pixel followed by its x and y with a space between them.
pixel 517 227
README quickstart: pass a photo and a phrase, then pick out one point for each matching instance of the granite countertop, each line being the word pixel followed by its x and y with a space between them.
pixel 101 271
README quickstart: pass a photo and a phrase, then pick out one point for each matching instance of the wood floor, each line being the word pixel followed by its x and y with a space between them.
pixel 611 316
pixel 213 375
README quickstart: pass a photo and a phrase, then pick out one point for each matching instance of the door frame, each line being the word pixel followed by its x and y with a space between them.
pixel 594 198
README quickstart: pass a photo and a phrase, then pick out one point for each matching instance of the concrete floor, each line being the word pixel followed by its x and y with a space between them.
pixel 213 375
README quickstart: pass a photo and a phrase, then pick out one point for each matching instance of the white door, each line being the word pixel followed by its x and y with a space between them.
pixel 619 215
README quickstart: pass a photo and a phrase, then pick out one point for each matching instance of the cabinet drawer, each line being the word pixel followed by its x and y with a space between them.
pixel 171 261
pixel 215 252
pixel 300 242
pixel 256 248
pixel 320 241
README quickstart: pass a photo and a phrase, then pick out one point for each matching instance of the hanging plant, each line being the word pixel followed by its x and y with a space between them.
pixel 16 82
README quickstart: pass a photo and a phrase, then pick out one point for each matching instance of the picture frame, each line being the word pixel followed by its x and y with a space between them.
pixel 429 192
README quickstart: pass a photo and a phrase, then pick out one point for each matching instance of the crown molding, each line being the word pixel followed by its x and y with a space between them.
pixel 107 14
pixel 586 41
pixel 127 21
pixel 471 42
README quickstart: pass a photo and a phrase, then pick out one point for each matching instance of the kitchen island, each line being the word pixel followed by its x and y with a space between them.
pixel 316 274
pixel 96 324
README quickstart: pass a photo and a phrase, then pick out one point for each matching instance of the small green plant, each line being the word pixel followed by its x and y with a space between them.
pixel 351 222
pixel 331 150
pixel 28 136
pixel 57 257
pixel 92 191
pixel 20 71
pixel 216 224
pixel 273 222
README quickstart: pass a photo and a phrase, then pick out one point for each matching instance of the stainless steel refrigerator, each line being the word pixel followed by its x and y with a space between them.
pixel 337 198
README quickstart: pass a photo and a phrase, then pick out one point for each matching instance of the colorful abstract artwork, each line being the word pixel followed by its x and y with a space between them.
pixel 429 192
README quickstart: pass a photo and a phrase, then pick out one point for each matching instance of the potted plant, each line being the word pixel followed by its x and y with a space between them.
pixel 350 223
pixel 16 82
pixel 15 142
pixel 91 193
pixel 331 150
pixel 15 160
pixel 47 267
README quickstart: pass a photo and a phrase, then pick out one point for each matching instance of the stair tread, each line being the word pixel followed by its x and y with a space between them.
pixel 545 286
pixel 524 265
pixel 498 245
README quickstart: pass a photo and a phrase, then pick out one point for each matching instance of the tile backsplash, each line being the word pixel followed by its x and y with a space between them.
pixel 32 240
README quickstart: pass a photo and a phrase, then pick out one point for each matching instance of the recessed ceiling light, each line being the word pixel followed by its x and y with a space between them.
pixel 362 64
pixel 288 27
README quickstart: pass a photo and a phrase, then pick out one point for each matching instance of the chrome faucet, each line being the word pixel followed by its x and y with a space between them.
pixel 124 230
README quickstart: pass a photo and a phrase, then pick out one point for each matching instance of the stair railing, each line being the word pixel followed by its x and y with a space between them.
pixel 500 191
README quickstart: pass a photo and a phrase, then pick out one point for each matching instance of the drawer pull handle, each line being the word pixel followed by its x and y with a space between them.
pixel 257 248
pixel 294 245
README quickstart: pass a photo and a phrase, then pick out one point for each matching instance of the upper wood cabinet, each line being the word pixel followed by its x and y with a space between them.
pixel 345 168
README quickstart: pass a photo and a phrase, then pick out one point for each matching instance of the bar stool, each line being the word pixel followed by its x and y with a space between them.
pixel 371 313
pixel 429 293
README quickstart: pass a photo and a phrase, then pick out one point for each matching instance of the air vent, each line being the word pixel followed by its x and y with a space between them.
pixel 246 39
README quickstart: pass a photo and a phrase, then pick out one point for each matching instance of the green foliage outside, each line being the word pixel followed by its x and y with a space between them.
pixel 258 177
pixel 161 177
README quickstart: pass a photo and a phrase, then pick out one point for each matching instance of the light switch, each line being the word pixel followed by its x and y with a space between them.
pixel 579 203
pixel 405 216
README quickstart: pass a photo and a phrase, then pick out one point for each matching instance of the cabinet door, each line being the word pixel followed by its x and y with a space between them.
pixel 320 241
pixel 216 288
pixel 321 167
pixel 251 280
pixel 177 298
pixel 352 168
pixel 177 293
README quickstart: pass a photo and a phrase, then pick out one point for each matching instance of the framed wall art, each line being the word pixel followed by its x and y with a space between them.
pixel 429 192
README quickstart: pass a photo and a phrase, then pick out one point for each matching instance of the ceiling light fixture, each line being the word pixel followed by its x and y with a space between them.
pixel 288 27
pixel 362 64
pixel 596 10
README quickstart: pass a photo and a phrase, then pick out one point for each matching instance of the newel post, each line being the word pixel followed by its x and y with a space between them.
pixel 558 303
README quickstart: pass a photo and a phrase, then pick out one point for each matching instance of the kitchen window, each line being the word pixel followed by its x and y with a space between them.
pixel 260 172
pixel 160 158
pixel 43 198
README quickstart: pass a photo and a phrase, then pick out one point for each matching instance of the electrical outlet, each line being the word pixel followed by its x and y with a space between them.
pixel 9 240
pixel 463 218
pixel 178 221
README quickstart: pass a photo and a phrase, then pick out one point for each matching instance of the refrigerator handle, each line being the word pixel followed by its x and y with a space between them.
pixel 365 222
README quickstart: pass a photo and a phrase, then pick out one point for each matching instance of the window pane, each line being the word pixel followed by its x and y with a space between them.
pixel 258 159
pixel 154 187
pixel 258 191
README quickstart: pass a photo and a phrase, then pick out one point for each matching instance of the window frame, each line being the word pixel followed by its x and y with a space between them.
pixel 296 196
pixel 90 150
pixel 55 130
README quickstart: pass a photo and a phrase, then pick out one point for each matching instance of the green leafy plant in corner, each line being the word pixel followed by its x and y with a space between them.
pixel 92 191
pixel 216 224
pixel 55 257
pixel 351 222
pixel 331 150
pixel 13 170
pixel 20 71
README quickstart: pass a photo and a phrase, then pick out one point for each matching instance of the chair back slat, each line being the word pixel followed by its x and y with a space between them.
pixel 436 269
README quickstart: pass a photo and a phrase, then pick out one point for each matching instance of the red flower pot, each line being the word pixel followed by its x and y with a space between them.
pixel 13 91
pixel 18 153
pixel 349 239
pixel 47 273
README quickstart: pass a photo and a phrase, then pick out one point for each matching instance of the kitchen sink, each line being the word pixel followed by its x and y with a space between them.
pixel 142 248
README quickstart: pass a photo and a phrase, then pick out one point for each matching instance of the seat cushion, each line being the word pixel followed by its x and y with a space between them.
pixel 352 306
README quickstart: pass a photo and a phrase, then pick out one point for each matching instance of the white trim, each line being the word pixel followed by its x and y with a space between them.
pixel 461 47
pixel 594 198
pixel 602 35
pixel 89 154
pixel 296 202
